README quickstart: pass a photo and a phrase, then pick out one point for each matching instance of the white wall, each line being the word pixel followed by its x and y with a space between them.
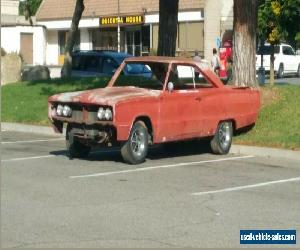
pixel 10 7
pixel 85 43
pixel 212 23
pixel 227 10
pixel 52 49
pixel 11 36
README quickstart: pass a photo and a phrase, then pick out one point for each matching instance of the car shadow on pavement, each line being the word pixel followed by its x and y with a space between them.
pixel 161 151
pixel 177 149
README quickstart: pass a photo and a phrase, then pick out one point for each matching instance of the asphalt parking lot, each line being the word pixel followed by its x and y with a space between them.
pixel 184 198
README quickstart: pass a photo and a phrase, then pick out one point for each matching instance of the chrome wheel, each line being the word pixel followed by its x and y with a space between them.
pixel 224 135
pixel 134 150
pixel 138 142
pixel 221 142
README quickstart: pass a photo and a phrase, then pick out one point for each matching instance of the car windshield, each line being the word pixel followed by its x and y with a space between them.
pixel 143 75
pixel 266 50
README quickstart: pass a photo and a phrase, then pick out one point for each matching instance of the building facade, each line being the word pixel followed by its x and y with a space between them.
pixel 201 24
pixel 18 36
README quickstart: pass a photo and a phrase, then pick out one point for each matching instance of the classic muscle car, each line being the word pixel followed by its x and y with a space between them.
pixel 158 100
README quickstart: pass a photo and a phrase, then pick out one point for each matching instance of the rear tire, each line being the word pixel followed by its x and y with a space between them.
pixel 280 73
pixel 298 71
pixel 135 150
pixel 75 148
pixel 221 142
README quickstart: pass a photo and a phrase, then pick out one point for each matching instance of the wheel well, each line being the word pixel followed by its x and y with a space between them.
pixel 148 124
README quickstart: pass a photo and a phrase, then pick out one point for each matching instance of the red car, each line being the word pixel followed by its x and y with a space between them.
pixel 158 100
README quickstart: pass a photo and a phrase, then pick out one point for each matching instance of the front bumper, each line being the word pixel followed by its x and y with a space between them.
pixel 94 134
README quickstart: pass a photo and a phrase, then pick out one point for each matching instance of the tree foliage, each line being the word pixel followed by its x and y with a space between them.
pixel 279 20
pixel 29 7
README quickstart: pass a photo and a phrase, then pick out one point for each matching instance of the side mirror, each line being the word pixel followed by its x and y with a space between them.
pixel 170 86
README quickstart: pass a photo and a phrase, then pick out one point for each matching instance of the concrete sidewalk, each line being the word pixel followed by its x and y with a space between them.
pixel 235 149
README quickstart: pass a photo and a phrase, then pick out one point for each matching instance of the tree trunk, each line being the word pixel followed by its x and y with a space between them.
pixel 244 42
pixel 272 59
pixel 167 34
pixel 67 67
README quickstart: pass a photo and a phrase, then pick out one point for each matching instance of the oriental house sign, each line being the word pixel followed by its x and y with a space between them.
pixel 123 20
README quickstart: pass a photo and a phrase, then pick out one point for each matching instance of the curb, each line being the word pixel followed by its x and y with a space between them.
pixel 18 127
pixel 265 152
pixel 235 149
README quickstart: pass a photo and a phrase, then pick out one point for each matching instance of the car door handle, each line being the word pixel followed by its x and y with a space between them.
pixel 199 99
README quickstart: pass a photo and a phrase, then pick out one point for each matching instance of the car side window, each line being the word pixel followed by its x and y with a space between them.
pixel 288 51
pixel 109 65
pixel 92 64
pixel 187 78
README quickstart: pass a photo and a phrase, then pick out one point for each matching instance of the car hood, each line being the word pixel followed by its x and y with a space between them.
pixel 106 96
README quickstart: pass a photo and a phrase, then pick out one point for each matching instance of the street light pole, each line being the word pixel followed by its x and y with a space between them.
pixel 119 47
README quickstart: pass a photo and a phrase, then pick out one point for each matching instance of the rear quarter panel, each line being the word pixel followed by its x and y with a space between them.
pixel 242 106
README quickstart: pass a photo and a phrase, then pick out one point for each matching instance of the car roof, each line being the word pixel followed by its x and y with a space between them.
pixel 161 59
pixel 110 53
pixel 280 44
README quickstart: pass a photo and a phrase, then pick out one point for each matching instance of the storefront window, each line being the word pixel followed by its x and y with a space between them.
pixel 145 40
pixel 107 39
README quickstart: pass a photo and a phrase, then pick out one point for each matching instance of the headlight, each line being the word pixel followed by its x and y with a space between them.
pixel 67 111
pixel 59 110
pixel 101 113
pixel 63 110
pixel 108 114
pixel 105 114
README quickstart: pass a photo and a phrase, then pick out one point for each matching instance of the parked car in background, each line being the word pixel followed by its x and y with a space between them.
pixel 92 63
pixel 174 103
pixel 286 61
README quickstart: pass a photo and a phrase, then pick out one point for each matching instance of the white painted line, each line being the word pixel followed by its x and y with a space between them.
pixel 247 186
pixel 28 158
pixel 32 141
pixel 161 166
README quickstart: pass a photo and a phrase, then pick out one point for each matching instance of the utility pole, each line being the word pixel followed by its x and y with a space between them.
pixel 119 47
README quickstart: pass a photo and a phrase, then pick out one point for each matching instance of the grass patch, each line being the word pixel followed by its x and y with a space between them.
pixel 27 102
pixel 279 119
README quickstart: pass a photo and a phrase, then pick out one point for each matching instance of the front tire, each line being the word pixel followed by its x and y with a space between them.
pixel 221 142
pixel 298 71
pixel 280 73
pixel 75 148
pixel 135 150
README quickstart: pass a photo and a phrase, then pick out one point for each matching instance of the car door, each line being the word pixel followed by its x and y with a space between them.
pixel 179 110
pixel 89 66
pixel 290 59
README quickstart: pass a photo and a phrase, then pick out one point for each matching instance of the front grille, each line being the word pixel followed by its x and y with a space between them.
pixel 84 113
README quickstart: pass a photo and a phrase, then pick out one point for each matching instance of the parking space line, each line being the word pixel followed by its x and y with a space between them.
pixel 161 166
pixel 32 141
pixel 247 186
pixel 28 158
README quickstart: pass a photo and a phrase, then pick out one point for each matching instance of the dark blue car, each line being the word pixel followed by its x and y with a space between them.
pixel 95 63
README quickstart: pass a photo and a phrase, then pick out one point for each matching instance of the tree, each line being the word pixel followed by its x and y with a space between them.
pixel 269 28
pixel 244 42
pixel 28 8
pixel 167 33
pixel 289 20
pixel 278 20
pixel 79 8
